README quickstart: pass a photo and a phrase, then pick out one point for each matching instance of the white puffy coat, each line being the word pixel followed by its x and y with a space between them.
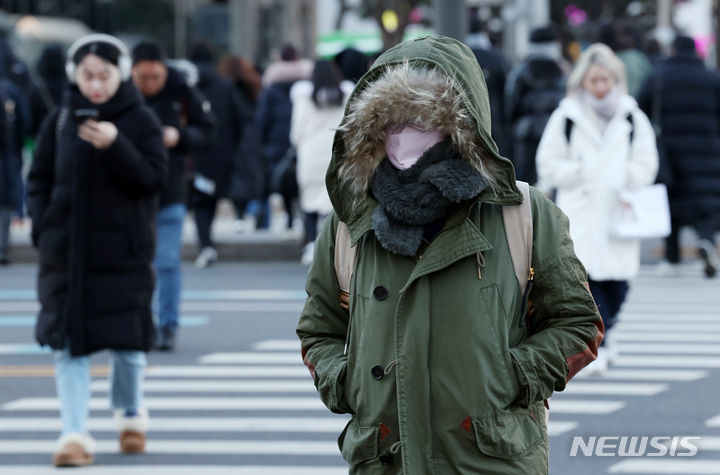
pixel 311 132
pixel 590 171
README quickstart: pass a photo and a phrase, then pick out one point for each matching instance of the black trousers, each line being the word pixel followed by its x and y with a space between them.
pixel 705 230
pixel 204 216
pixel 609 296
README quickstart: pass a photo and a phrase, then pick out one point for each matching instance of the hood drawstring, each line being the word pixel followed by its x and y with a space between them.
pixel 480 264
pixel 389 367
pixel 395 448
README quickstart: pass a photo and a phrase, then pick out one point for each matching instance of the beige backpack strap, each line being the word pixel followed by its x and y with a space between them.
pixel 519 234
pixel 344 257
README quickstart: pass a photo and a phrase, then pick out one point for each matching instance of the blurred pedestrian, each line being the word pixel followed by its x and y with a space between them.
pixel 352 63
pixel 533 91
pixel 495 70
pixel 625 45
pixel 316 112
pixel 14 124
pixel 48 86
pixel 215 164
pixel 682 97
pixel 247 184
pixel 99 165
pixel 597 143
pixel 187 128
pixel 429 348
pixel 273 115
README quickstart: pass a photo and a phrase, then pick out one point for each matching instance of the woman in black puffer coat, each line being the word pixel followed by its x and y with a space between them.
pixel 98 167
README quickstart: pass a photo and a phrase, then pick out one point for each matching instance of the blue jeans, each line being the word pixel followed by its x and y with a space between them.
pixel 72 381
pixel 167 264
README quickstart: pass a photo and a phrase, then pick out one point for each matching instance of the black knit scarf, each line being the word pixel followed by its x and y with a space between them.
pixel 423 194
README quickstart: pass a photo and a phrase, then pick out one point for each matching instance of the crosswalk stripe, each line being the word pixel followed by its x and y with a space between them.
pixel 709 444
pixel 29 321
pixel 668 348
pixel 671 307
pixel 227 371
pixel 205 447
pixel 191 306
pixel 646 375
pixel 278 345
pixel 668 327
pixel 667 466
pixel 669 361
pixel 556 428
pixel 248 357
pixel 620 389
pixel 182 403
pixel 584 406
pixel 271 295
pixel 658 336
pixel 24 349
pixel 714 422
pixel 333 424
pixel 182 470
pixel 204 386
pixel 690 319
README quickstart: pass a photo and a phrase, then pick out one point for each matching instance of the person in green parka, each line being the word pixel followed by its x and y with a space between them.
pixel 435 354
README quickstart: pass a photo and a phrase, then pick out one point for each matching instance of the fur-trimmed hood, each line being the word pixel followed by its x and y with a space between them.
pixel 430 81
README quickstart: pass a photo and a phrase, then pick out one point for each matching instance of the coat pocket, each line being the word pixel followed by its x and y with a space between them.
pixel 512 433
pixel 358 444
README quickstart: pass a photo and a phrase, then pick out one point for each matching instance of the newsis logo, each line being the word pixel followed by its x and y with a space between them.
pixel 635 446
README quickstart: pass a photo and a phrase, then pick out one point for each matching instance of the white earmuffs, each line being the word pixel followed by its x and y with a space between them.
pixel 124 61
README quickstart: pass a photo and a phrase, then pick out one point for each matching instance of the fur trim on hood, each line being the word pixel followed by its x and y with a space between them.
pixel 422 96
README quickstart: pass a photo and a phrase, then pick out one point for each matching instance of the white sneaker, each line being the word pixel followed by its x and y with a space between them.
pixel 207 256
pixel 666 269
pixel 307 255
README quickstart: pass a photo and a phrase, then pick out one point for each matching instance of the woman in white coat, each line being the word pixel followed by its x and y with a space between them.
pixel 317 111
pixel 596 144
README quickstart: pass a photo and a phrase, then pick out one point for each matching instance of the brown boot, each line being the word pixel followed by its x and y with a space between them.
pixel 132 431
pixel 132 442
pixel 75 450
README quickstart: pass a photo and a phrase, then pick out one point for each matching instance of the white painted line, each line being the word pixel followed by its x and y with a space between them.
pixel 584 406
pixel 181 470
pixel 251 358
pixel 556 428
pixel 709 444
pixel 714 422
pixel 182 404
pixel 227 372
pixel 668 348
pixel 204 386
pixel 271 295
pixel 244 307
pixel 205 447
pixel 675 308
pixel 278 345
pixel 659 336
pixel 24 349
pixel 653 317
pixel 332 424
pixel 668 327
pixel 665 465
pixel 645 375
pixel 620 389
pixel 668 361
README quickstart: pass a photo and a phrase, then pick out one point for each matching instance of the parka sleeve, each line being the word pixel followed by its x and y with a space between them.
pixel 323 324
pixel 41 179
pixel 555 167
pixel 140 165
pixel 565 327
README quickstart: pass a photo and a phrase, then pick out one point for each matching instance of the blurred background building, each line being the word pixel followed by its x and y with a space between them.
pixel 255 28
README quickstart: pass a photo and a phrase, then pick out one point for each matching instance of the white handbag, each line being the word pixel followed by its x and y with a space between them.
pixel 642 213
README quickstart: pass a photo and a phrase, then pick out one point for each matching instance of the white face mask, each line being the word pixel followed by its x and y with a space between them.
pixel 406 143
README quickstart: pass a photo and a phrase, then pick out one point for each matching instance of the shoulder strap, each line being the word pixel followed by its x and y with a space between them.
pixel 345 255
pixel 568 128
pixel 629 118
pixel 519 234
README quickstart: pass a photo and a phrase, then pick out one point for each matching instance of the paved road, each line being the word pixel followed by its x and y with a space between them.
pixel 235 398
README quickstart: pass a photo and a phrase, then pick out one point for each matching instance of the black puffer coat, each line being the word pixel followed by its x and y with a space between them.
pixel 93 214
pixel 689 103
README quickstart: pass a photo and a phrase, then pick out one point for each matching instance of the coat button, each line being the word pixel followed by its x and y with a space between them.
pixel 380 292
pixel 386 459
pixel 377 372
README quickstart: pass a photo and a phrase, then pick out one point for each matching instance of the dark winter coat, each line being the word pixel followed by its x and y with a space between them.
pixel 14 121
pixel 689 102
pixel 533 91
pixel 273 116
pixel 181 106
pixel 495 69
pixel 47 89
pixel 93 214
pixel 217 161
pixel 248 180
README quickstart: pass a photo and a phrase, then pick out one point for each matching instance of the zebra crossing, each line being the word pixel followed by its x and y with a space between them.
pixel 257 412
